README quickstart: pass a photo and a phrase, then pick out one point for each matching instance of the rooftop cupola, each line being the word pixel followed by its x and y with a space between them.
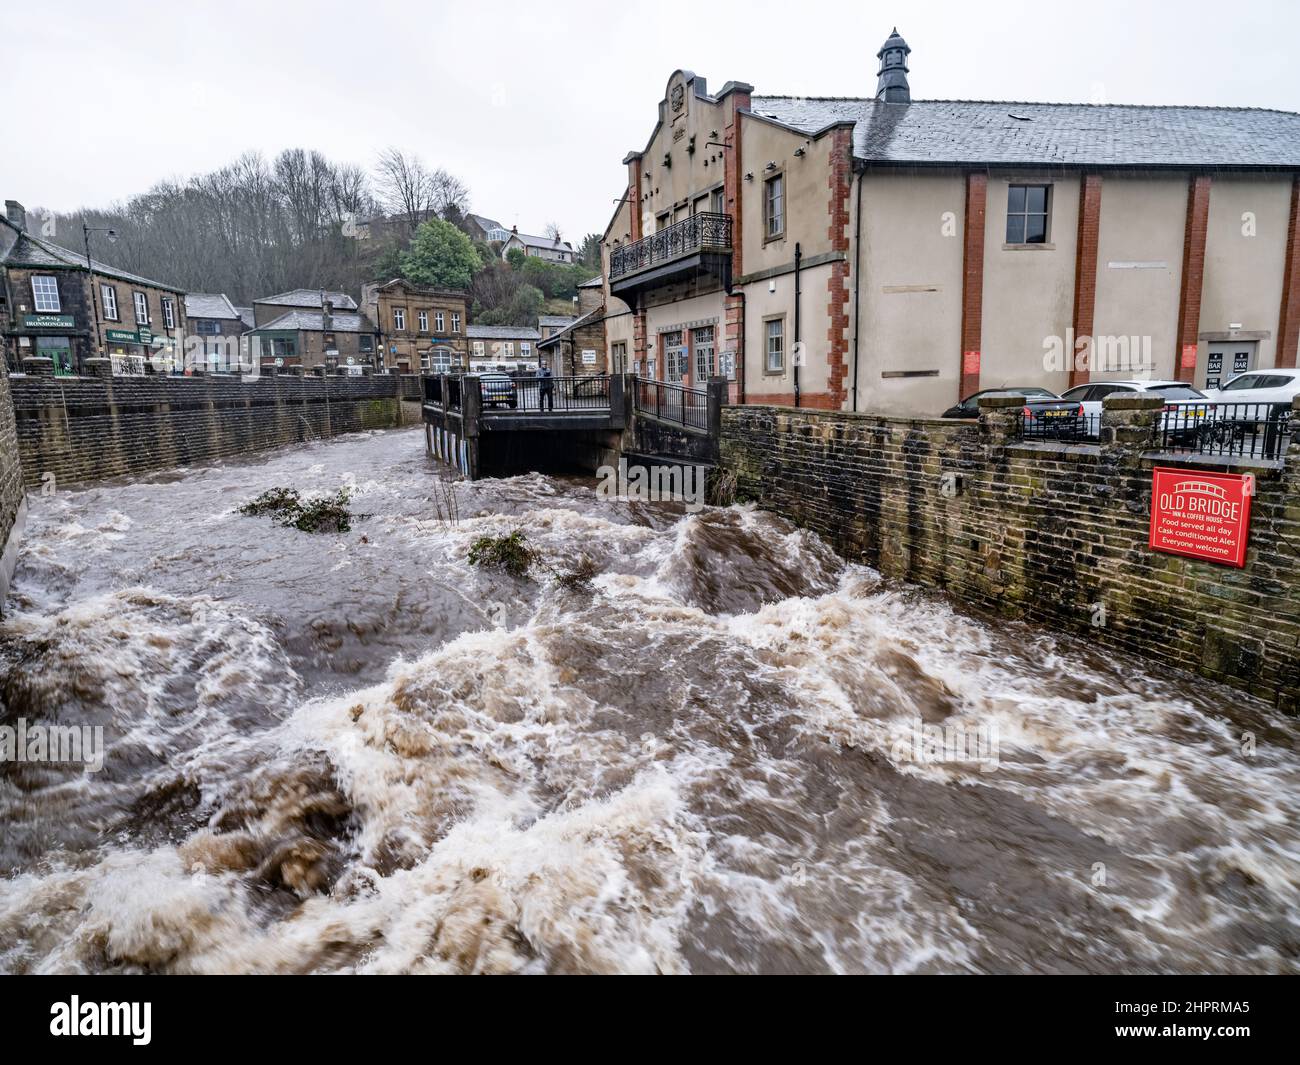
pixel 892 84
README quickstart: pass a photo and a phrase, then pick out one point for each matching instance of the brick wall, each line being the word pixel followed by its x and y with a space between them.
pixel 1037 531
pixel 1189 298
pixel 972 286
pixel 1085 268
pixel 83 429
pixel 1288 326
pixel 11 481
pixel 837 287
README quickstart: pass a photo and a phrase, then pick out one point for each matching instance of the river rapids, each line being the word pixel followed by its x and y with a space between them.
pixel 357 753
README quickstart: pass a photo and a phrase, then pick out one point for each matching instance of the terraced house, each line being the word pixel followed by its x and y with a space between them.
pixel 421 329
pixel 311 327
pixel 56 304
pixel 896 254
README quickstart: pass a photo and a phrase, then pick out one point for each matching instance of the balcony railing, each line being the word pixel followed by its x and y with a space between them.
pixel 706 231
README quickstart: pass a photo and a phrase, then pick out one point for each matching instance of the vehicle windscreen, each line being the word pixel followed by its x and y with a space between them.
pixel 1178 392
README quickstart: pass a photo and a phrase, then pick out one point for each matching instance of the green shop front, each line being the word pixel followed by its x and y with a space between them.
pixel 49 336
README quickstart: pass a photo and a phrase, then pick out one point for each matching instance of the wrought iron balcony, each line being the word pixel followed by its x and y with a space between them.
pixel 685 244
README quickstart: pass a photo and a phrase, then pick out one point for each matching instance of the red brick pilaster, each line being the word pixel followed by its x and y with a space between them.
pixel 734 339
pixel 972 283
pixel 1189 296
pixel 734 192
pixel 638 339
pixel 837 312
pixel 733 186
pixel 634 194
pixel 1085 272
pixel 1288 323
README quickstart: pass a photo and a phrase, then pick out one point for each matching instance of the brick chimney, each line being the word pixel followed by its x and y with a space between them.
pixel 16 213
pixel 327 315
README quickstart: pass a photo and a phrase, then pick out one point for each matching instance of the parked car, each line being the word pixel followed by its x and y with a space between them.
pixel 1259 386
pixel 1053 419
pixel 498 389
pixel 970 406
pixel 1253 410
pixel 1186 409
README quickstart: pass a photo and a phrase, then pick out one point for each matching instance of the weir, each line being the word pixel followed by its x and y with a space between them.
pixel 568 424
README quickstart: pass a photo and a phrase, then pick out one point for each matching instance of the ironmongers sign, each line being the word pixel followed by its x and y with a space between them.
pixel 48 321
pixel 1201 515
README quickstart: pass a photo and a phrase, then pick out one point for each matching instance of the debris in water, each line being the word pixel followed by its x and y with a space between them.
pixel 509 553
pixel 319 514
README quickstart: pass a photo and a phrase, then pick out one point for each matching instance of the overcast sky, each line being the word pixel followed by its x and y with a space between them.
pixel 535 104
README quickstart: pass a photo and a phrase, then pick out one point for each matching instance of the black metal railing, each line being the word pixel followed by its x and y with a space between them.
pixel 432 390
pixel 706 231
pixel 671 403
pixel 1058 425
pixel 544 394
pixel 1248 430
pixel 441 391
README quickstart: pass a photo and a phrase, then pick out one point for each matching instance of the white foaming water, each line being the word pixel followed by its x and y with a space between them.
pixel 409 765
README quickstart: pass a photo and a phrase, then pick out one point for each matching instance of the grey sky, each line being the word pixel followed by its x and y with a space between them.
pixel 534 105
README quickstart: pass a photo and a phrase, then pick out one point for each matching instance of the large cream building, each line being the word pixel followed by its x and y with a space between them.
pixel 897 254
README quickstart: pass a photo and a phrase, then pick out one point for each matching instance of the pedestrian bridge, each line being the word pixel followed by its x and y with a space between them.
pixel 577 424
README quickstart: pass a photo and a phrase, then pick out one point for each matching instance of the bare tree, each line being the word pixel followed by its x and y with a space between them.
pixel 405 186
pixel 552 231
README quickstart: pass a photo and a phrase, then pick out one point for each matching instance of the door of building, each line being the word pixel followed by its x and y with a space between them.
pixel 1227 360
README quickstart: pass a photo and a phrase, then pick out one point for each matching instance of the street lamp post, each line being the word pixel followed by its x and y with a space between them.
pixel 94 292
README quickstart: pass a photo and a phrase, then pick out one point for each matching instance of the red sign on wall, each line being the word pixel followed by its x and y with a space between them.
pixel 1202 515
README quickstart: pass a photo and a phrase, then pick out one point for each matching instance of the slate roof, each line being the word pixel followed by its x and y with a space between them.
pixel 310 297
pixel 502 332
pixel 531 241
pixel 988 132
pixel 596 282
pixel 246 315
pixel 314 322
pixel 587 319
pixel 555 321
pixel 209 305
pixel 487 224
pixel 28 249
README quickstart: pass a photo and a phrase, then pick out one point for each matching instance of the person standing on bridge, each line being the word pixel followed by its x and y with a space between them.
pixel 545 389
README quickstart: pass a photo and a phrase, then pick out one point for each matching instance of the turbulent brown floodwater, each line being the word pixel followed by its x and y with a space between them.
pixel 354 753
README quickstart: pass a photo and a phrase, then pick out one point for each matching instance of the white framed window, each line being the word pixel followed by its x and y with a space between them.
pixel 508 348
pixel 525 349
pixel 441 360
pixel 774 206
pixel 423 317
pixel 706 365
pixel 109 295
pixel 439 321
pixel 45 294
pixel 774 331
pixel 141 308
pixel 169 312
pixel 399 318
pixel 478 348
pixel 674 356
pixel 455 322
pixel 424 360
